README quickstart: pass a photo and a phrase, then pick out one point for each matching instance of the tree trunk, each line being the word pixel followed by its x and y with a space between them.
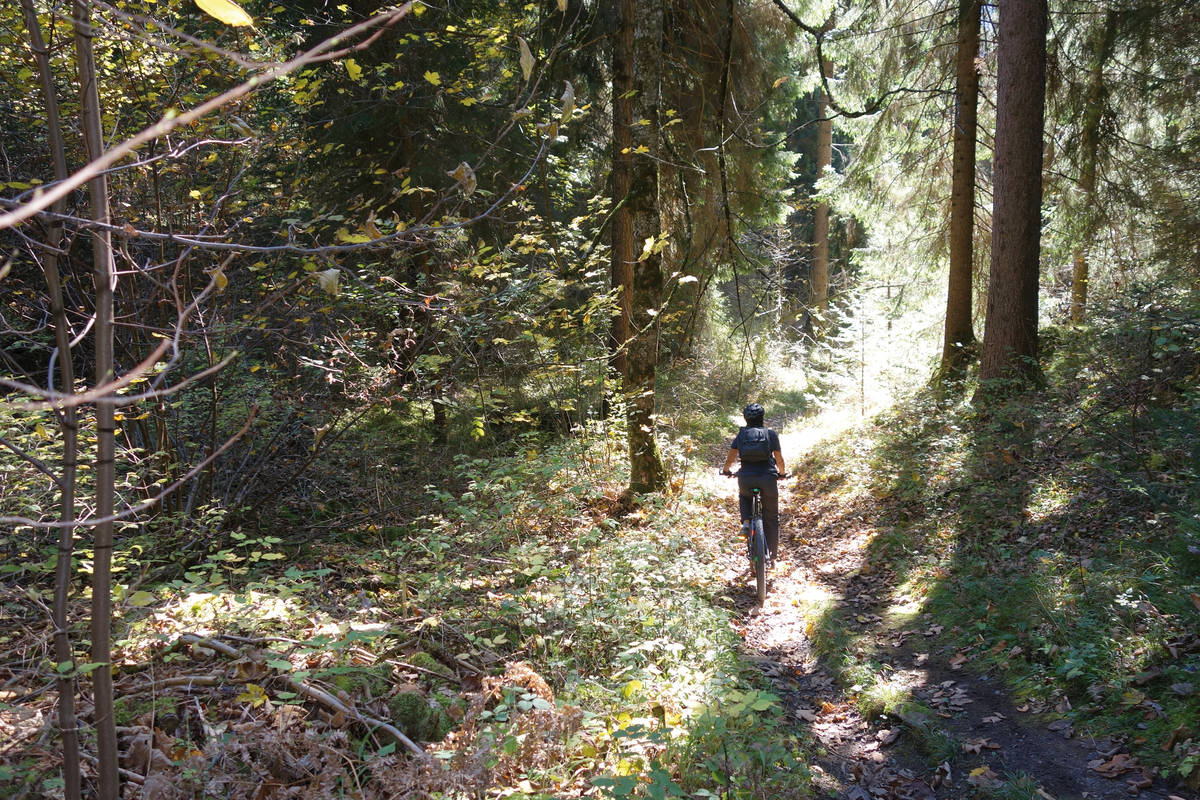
pixel 104 276
pixel 622 176
pixel 820 262
pixel 1010 342
pixel 958 346
pixel 646 472
pixel 68 417
pixel 1089 146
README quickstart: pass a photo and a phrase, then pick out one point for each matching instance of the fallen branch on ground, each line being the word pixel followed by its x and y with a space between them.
pixel 312 693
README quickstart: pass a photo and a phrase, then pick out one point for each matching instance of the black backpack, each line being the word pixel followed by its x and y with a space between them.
pixel 754 445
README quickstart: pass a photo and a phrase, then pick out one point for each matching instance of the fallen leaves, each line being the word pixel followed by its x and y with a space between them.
pixel 1062 727
pixel 983 778
pixel 887 736
pixel 948 698
pixel 976 746
pixel 1116 766
pixel 880 782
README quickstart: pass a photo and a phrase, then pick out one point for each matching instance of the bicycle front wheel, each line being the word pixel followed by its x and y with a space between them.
pixel 759 546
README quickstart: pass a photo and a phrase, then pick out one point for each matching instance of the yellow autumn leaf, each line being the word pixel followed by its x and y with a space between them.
pixel 526 58
pixel 255 695
pixel 346 236
pixel 433 77
pixel 465 177
pixel 352 69
pixel 226 11
pixel 372 228
pixel 647 248
pixel 218 276
pixel 568 101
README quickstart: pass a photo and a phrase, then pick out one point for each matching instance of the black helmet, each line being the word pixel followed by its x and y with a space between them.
pixel 753 414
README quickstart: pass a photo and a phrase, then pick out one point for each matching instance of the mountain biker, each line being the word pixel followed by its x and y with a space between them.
pixel 757 448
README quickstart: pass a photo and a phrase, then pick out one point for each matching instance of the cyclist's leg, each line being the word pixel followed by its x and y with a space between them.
pixel 744 503
pixel 770 502
pixel 770 507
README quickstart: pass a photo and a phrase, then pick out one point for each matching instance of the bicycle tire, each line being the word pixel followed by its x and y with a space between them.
pixel 759 539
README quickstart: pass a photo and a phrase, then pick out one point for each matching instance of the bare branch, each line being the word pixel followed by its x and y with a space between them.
pixel 321 52
pixel 153 501
pixel 873 105
pixel 41 467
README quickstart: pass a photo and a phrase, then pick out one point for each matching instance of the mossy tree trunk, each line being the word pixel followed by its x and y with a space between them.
pixel 820 251
pixel 646 472
pixel 1010 342
pixel 958 346
pixel 1089 148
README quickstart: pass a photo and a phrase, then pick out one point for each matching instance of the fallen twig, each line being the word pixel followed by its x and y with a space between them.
pixel 128 775
pixel 179 680
pixel 313 693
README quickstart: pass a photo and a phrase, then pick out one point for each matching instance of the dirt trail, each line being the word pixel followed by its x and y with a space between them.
pixel 976 740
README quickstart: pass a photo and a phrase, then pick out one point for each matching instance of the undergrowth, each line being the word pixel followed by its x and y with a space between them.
pixel 1055 534
pixel 539 637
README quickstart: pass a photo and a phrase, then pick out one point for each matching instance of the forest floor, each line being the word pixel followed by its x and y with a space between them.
pixel 992 601
pixel 928 723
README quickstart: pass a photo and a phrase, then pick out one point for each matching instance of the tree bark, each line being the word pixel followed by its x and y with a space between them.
pixel 68 417
pixel 1010 343
pixel 646 472
pixel 104 276
pixel 622 178
pixel 1089 147
pixel 958 346
pixel 820 261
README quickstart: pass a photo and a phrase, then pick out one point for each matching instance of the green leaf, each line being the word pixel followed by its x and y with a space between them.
pixel 140 598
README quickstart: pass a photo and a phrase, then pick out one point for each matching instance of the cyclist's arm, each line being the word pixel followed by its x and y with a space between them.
pixel 779 462
pixel 730 460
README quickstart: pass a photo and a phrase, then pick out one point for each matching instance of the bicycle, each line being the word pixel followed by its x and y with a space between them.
pixel 756 543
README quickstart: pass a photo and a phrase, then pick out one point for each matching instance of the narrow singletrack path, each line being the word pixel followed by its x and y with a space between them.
pixel 970 739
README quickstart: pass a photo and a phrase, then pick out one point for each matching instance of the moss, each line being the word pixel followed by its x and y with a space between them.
pixel 425 661
pixel 374 681
pixel 417 717
pixel 126 710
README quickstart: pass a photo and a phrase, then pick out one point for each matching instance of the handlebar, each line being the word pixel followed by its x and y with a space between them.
pixel 729 474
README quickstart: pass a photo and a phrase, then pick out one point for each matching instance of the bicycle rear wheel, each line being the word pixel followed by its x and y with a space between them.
pixel 759 546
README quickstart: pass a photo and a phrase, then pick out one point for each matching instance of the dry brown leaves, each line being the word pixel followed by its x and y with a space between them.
pixel 880 782
pixel 474 761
